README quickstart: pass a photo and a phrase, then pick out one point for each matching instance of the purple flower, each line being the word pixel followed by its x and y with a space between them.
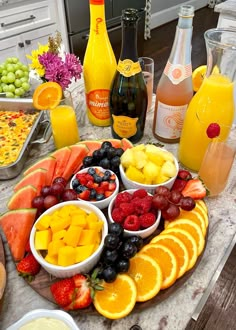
pixel 47 58
pixel 59 74
pixel 73 65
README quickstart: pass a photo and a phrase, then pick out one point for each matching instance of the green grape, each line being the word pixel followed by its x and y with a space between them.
pixel 19 73
pixel 0 89
pixel 26 86
pixel 5 88
pixel 24 68
pixel 9 94
pixel 11 88
pixel 2 67
pixel 14 60
pixel 11 77
pixel 10 67
pixel 18 83
pixel 24 79
pixel 4 72
pixel 4 79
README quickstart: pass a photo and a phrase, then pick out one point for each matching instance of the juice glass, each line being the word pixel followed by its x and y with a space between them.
pixel 64 124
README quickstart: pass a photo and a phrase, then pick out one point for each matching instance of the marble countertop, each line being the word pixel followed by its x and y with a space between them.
pixel 173 313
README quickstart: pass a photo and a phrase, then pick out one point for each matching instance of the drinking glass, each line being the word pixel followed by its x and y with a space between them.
pixel 64 124
pixel 147 65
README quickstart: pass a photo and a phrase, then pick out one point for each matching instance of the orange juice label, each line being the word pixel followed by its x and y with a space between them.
pixel 177 72
pixel 170 120
pixel 128 68
pixel 124 126
pixel 98 103
pixel 96 2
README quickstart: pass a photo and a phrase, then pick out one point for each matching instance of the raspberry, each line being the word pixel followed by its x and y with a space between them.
pixel 213 130
pixel 141 193
pixel 147 220
pixel 132 223
pixel 123 197
pixel 142 205
pixel 127 208
pixel 118 215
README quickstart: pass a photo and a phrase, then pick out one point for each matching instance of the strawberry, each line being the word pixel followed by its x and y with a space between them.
pixel 28 267
pixel 112 186
pixel 27 247
pixel 64 291
pixel 84 195
pixel 132 222
pixel 179 185
pixel 184 175
pixel 108 193
pixel 213 130
pixel 195 189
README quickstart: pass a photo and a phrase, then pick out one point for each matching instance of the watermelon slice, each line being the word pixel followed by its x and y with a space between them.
pixel 16 226
pixel 78 152
pixel 126 144
pixel 62 156
pixel 116 143
pixel 36 178
pixel 48 163
pixel 22 198
pixel 92 145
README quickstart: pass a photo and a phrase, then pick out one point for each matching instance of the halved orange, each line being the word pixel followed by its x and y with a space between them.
pixel 188 241
pixel 194 216
pixel 147 275
pixel 47 96
pixel 177 247
pixel 193 229
pixel 198 76
pixel 167 261
pixel 117 299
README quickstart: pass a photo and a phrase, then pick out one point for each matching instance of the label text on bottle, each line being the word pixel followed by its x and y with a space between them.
pixel 124 126
pixel 98 103
pixel 128 68
pixel 177 72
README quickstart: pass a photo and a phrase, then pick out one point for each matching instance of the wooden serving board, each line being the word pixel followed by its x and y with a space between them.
pixel 2 254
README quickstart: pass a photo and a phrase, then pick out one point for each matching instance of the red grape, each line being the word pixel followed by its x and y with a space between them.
pixel 187 203
pixel 162 190
pixel 175 197
pixel 45 191
pixel 61 180
pixel 57 189
pixel 69 195
pixel 50 201
pixel 171 212
pixel 159 202
pixel 38 202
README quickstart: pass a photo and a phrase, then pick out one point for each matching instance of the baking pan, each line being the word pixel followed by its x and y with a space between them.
pixel 42 123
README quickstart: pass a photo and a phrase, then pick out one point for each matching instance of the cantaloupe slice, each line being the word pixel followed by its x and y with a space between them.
pixel 3 279
pixel 126 144
pixel 22 198
pixel 36 178
pixel 16 226
pixel 62 157
pixel 92 145
pixel 116 143
pixel 78 152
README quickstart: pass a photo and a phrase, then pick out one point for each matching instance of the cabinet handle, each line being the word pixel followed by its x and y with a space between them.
pixel 21 44
pixel 20 21
pixel 28 42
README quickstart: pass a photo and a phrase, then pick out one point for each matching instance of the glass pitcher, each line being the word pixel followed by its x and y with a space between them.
pixel 214 101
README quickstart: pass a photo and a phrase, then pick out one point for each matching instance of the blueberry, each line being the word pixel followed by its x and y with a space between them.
pixel 115 161
pixel 128 250
pixel 97 154
pixel 111 241
pixel 111 152
pixel 116 229
pixel 97 178
pixel 122 265
pixel 137 240
pixel 100 197
pixel 80 188
pixel 91 171
pixel 110 256
pixel 106 144
pixel 109 274
pixel 88 161
pixel 105 163
pixel 119 152
pixel 93 194
pixel 75 183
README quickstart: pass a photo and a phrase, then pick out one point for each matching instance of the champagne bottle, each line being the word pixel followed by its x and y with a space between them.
pixel 128 97
pixel 99 66
pixel 174 90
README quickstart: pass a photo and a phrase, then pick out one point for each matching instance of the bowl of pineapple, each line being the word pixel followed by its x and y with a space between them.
pixel 147 166
pixel 67 239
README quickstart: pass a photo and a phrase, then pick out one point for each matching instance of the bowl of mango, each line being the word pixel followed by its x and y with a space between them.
pixel 147 166
pixel 67 239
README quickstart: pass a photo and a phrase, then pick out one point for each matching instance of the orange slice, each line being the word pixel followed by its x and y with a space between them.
pixel 47 96
pixel 195 217
pixel 198 208
pixel 202 204
pixel 177 247
pixel 3 277
pixel 117 299
pixel 198 76
pixel 193 229
pixel 167 261
pixel 188 241
pixel 147 275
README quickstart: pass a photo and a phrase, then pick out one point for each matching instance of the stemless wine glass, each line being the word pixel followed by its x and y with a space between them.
pixel 147 65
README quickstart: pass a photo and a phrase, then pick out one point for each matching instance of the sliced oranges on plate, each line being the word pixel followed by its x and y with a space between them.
pixel 47 96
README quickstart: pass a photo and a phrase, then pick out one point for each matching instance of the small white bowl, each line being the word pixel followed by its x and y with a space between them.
pixel 144 233
pixel 45 313
pixel 104 202
pixel 129 184
pixel 82 267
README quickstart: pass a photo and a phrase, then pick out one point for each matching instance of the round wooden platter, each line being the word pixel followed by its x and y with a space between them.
pixel 42 282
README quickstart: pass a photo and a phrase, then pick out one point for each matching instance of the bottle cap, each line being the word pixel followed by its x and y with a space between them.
pixel 130 14
pixel 186 11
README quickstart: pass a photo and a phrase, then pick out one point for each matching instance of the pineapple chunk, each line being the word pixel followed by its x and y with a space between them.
pixel 150 171
pixel 66 256
pixel 127 158
pixel 154 154
pixel 42 239
pixel 168 169
pixel 83 252
pixel 140 159
pixel 139 147
pixel 134 174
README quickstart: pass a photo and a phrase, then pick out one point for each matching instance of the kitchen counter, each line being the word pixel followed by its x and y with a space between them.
pixel 175 311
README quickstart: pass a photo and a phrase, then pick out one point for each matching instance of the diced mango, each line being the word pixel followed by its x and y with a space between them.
pixel 42 239
pixel 54 246
pixel 51 259
pixel 95 225
pixel 83 252
pixel 97 238
pixel 58 235
pixel 72 235
pixel 43 223
pixel 92 217
pixel 65 211
pixel 88 236
pixel 66 256
pixel 60 223
pixel 78 220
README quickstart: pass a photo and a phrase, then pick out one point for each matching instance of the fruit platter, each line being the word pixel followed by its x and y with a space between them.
pixel 54 187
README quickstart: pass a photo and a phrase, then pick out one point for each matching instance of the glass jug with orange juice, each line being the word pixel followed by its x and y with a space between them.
pixel 214 101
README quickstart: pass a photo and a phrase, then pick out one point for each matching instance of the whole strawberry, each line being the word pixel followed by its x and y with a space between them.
pixel 28 267
pixel 64 291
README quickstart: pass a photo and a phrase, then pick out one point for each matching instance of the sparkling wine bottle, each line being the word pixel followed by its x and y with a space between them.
pixel 128 97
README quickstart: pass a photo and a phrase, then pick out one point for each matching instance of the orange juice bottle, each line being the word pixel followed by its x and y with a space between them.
pixel 99 66
pixel 214 101
pixel 174 90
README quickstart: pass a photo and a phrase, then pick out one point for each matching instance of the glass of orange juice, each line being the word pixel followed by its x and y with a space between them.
pixel 64 123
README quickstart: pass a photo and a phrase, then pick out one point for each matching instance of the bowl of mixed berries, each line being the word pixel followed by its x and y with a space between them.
pixel 133 209
pixel 95 185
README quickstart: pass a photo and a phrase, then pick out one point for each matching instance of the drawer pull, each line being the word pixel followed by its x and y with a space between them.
pixel 28 42
pixel 21 44
pixel 20 21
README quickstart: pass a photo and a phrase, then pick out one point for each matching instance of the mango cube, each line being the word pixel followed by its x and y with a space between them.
pixel 66 256
pixel 92 217
pixel 88 236
pixel 43 223
pixel 83 252
pixel 51 259
pixel 58 235
pixel 95 225
pixel 58 223
pixel 54 246
pixel 72 235
pixel 42 239
pixel 65 211
pixel 79 220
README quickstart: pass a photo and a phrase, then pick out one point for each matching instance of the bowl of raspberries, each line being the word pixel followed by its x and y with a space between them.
pixel 133 209
pixel 95 185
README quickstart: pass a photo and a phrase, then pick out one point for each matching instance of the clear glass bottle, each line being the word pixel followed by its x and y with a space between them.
pixel 128 98
pixel 174 90
pixel 99 66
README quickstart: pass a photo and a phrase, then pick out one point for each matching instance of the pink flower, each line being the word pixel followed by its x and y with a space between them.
pixel 59 74
pixel 73 65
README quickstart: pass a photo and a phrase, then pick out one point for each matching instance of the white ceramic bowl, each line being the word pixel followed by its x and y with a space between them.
pixel 144 233
pixel 129 184
pixel 45 313
pixel 104 202
pixel 82 267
